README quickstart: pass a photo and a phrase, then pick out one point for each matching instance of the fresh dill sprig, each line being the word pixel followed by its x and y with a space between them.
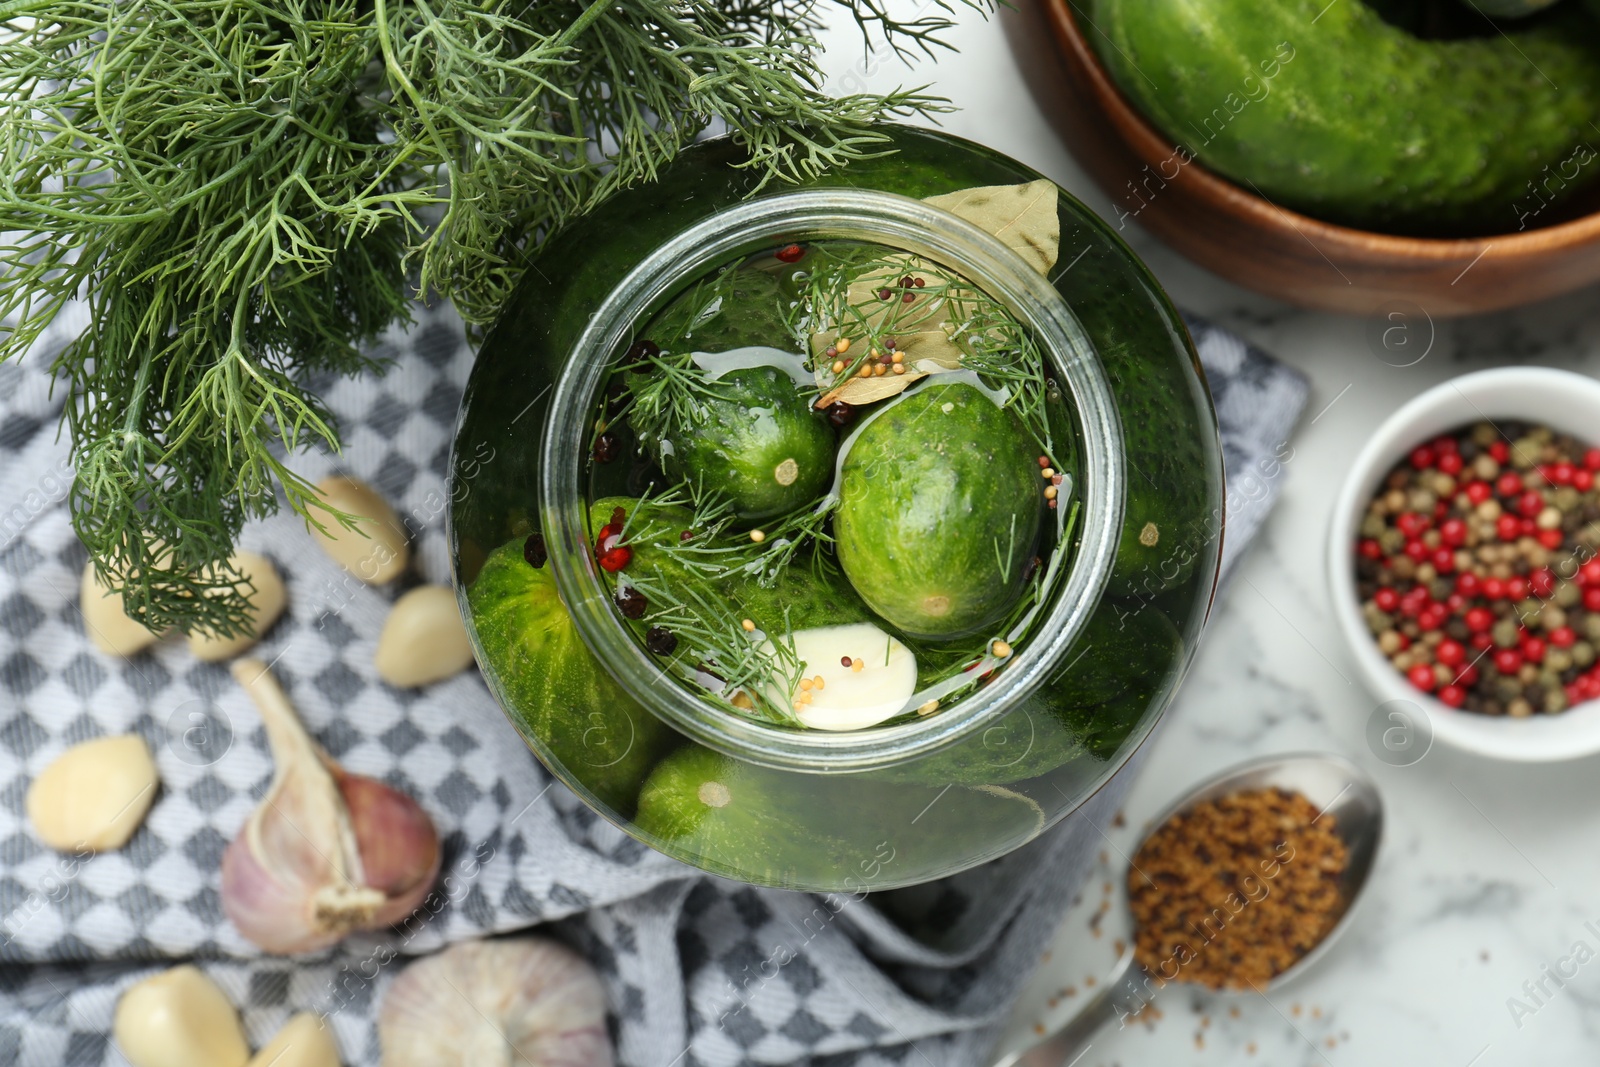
pixel 247 193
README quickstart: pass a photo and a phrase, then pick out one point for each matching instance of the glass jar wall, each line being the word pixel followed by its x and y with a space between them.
pixel 888 805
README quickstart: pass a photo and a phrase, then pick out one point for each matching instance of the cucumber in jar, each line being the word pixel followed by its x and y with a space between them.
pixel 939 511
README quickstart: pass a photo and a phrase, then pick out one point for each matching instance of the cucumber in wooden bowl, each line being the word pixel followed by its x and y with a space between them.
pixel 1335 112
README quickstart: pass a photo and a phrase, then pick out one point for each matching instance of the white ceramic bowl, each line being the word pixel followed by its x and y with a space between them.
pixel 1558 399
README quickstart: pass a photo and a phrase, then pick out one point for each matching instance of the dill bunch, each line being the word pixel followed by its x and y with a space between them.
pixel 247 192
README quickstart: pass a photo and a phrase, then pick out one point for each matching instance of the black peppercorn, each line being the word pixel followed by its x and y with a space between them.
pixel 631 602
pixel 841 414
pixel 606 447
pixel 1031 568
pixel 661 641
pixel 533 550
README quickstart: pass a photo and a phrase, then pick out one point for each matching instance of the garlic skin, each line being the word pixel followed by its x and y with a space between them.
pixel 326 852
pixel 179 1018
pixel 304 1041
pixel 522 1001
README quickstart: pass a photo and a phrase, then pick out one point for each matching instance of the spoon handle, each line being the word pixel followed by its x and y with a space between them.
pixel 1121 995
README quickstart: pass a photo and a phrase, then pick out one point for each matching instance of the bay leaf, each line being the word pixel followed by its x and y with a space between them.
pixel 1023 216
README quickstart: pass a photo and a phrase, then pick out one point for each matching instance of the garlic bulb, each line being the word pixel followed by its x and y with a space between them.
pixel 326 853
pixel 522 1001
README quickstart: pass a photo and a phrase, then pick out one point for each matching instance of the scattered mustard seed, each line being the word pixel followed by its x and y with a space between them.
pixel 1001 650
pixel 758 536
pixel 842 344
pixel 749 625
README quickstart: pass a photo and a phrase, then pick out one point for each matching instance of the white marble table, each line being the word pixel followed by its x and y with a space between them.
pixel 1490 871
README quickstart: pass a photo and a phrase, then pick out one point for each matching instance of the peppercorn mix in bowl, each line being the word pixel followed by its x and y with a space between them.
pixel 1465 562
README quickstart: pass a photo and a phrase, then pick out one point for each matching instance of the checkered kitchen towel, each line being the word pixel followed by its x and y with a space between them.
pixel 683 956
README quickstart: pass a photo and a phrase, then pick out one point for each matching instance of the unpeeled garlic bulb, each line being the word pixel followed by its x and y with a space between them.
pixel 326 853
pixel 522 1001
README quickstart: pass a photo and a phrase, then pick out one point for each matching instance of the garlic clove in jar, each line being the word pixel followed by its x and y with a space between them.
pixel 304 1041
pixel 867 676
pixel 423 639
pixel 178 1018
pixel 327 852
pixel 264 586
pixel 522 1001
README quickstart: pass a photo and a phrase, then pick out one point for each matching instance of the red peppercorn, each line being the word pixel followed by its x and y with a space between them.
pixel 615 559
pixel 1405 642
pixel 1550 539
pixel 1478 492
pixel 1441 509
pixel 1450 653
pixel 1449 463
pixel 1370 549
pixel 1467 584
pixel 1589 573
pixel 1533 649
pixel 1561 473
pixel 1507 528
pixel 1422 457
pixel 1482 642
pixel 1455 602
pixel 1386 599
pixel 1542 582
pixel 1494 588
pixel 1562 637
pixel 1500 452
pixel 1583 480
pixel 1508 484
pixel 1421 676
pixel 1574 693
pixel 1453 532
pixel 1507 660
pixel 1411 524
pixel 1417 550
pixel 1591 459
pixel 790 253
pixel 1516 588
pixel 1528 527
pixel 1479 620
pixel 1530 504
pixel 1443 445
pixel 1433 617
pixel 1444 560
pixel 1469 675
pixel 685 536
pixel 1452 696
pixel 1591 598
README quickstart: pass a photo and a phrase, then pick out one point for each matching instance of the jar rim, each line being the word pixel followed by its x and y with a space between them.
pixel 903 224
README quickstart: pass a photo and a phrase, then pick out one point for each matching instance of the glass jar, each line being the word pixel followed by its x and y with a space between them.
pixel 885 806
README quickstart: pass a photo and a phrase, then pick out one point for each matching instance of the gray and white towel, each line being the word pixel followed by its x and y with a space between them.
pixel 924 974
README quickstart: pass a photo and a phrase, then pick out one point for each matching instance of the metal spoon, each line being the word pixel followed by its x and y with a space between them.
pixel 1336 786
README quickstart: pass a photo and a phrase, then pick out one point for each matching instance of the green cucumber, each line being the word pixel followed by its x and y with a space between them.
pixel 585 726
pixel 782 827
pixel 939 508
pixel 1328 109
pixel 754 438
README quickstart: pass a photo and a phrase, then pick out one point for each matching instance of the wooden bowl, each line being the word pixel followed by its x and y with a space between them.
pixel 1249 240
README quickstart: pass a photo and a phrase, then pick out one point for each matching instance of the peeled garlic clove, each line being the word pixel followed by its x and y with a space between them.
pixel 179 1018
pixel 423 639
pixel 105 621
pixel 376 551
pixel 868 676
pixel 522 1001
pixel 94 796
pixel 264 586
pixel 304 1041
pixel 297 877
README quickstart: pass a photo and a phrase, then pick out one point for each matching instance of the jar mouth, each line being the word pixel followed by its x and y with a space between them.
pixel 902 224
